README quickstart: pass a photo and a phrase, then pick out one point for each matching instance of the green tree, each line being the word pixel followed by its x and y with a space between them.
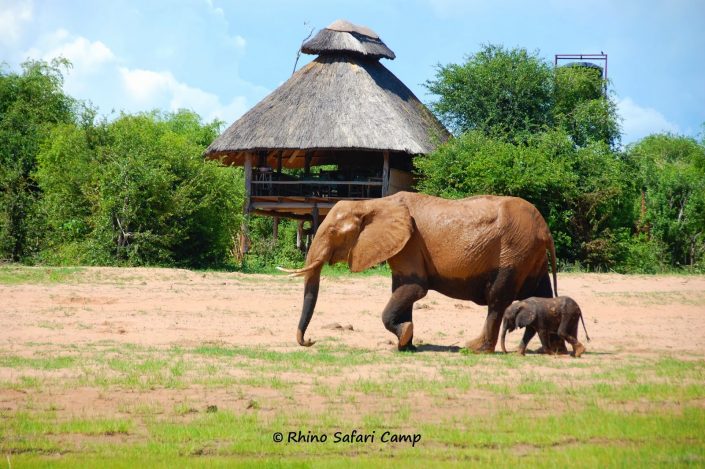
pixel 136 191
pixel 498 91
pixel 671 173
pixel 601 206
pixel 581 192
pixel 31 103
pixel 582 107
pixel 475 163
pixel 512 94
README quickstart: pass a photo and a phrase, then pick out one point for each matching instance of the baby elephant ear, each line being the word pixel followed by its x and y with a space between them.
pixel 525 318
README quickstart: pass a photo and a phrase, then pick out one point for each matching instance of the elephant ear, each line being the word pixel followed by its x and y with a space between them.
pixel 525 318
pixel 384 231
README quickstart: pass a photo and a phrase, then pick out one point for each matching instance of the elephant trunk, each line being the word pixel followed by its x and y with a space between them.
pixel 504 335
pixel 317 256
pixel 310 296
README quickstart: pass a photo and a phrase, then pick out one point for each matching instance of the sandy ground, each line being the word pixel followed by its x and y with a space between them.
pixel 639 317
pixel 162 307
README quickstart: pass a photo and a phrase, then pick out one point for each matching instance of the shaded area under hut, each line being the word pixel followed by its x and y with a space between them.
pixel 343 127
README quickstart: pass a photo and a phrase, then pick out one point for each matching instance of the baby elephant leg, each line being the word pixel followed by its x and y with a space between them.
pixel 568 331
pixel 529 333
pixel 546 342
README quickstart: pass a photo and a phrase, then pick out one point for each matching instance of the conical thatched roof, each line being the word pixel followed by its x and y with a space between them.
pixel 340 101
pixel 342 36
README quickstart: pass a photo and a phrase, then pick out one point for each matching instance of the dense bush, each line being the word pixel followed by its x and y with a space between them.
pixel 136 191
pixel 266 252
pixel 581 191
pixel 31 103
pixel 551 136
pixel 511 94
pixel 671 179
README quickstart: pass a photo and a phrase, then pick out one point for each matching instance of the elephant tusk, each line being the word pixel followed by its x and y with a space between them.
pixel 296 272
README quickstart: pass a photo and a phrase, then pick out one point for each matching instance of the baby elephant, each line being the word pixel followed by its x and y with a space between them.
pixel 547 316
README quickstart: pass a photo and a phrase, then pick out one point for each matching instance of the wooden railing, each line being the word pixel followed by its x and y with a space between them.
pixel 366 189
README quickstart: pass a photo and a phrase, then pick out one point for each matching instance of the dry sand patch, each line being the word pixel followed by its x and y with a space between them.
pixel 628 317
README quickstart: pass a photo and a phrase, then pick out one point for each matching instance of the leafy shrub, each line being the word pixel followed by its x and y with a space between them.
pixel 137 192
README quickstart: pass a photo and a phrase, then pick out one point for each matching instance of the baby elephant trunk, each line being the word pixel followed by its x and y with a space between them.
pixel 504 335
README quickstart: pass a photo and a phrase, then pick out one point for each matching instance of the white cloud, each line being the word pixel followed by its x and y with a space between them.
pixel 147 89
pixel 92 61
pixel 85 55
pixel 639 121
pixel 99 75
pixel 13 16
pixel 238 42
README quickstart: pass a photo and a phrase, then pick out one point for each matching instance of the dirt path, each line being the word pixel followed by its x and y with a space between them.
pixel 162 307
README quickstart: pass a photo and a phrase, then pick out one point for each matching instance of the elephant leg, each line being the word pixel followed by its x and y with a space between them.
pixel 397 315
pixel 544 288
pixel 500 295
pixel 529 334
pixel 545 337
pixel 557 344
pixel 568 331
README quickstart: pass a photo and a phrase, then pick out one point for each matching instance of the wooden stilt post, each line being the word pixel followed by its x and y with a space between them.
pixel 314 225
pixel 307 164
pixel 245 241
pixel 300 235
pixel 385 175
pixel 275 229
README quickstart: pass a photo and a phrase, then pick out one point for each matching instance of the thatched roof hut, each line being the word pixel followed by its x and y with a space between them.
pixel 341 104
pixel 344 108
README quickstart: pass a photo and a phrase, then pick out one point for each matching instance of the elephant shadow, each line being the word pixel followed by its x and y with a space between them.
pixel 455 349
pixel 438 348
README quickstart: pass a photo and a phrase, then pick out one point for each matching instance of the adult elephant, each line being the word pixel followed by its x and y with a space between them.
pixel 487 249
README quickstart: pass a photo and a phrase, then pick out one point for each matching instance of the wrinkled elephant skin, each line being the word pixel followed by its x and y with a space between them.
pixel 487 249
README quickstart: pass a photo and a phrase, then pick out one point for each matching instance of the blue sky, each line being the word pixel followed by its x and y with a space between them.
pixel 220 58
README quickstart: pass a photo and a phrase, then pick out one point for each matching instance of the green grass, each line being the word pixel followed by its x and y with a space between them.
pixel 39 363
pixel 593 437
pixel 14 274
pixel 478 410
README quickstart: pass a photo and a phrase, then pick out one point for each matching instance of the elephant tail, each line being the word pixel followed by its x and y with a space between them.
pixel 552 253
pixel 587 337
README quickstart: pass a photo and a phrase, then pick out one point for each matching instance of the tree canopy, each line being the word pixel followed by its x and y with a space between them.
pixel 512 93
pixel 551 135
pixel 135 190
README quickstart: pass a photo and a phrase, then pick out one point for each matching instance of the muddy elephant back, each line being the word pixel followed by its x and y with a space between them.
pixel 525 233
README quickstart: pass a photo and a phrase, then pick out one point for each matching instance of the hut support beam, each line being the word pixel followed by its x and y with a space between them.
pixel 300 235
pixel 248 181
pixel 307 164
pixel 245 241
pixel 314 225
pixel 275 229
pixel 385 175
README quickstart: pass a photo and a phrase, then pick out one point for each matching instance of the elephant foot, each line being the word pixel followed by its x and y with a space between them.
pixel 406 333
pixel 408 348
pixel 481 345
pixel 578 349
pixel 558 346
